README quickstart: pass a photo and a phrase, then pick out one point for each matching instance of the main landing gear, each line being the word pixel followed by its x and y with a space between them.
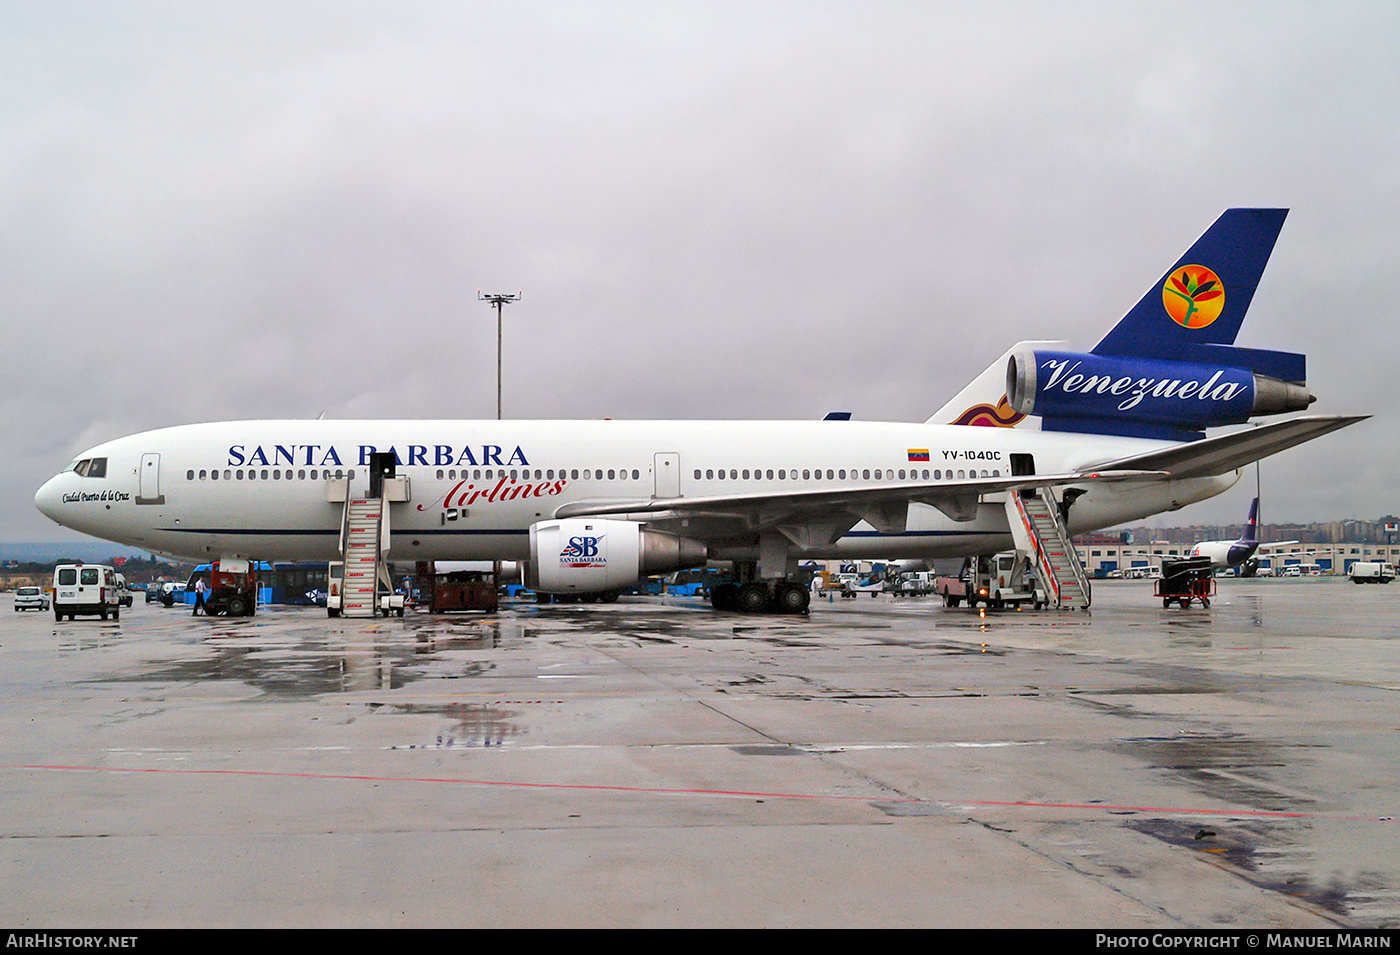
pixel 761 596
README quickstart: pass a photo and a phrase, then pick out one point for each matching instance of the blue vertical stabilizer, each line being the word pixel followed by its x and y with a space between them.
pixel 1203 298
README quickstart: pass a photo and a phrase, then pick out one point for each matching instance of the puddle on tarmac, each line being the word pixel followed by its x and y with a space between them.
pixel 1253 849
pixel 1233 769
pixel 290 664
pixel 472 724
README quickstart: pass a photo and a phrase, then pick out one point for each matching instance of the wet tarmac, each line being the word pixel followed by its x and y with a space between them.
pixel 654 763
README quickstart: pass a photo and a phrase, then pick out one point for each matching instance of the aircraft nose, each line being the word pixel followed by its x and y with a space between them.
pixel 48 497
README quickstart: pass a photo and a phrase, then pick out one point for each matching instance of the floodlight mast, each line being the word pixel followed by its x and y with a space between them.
pixel 499 300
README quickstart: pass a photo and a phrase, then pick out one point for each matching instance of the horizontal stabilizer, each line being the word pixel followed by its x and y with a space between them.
pixel 1211 456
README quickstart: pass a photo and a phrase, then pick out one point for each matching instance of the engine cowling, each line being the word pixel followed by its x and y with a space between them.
pixel 1143 395
pixel 586 555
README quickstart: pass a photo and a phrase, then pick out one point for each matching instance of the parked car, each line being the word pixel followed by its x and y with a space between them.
pixel 31 598
pixel 172 593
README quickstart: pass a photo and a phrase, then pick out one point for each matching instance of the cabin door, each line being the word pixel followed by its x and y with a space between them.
pixel 667 468
pixel 149 488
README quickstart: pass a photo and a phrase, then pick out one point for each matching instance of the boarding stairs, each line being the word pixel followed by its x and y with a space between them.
pixel 1041 534
pixel 364 546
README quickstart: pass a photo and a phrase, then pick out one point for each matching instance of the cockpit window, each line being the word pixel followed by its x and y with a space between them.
pixel 90 467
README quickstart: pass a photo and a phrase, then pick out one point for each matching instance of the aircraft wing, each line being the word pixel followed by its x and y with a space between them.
pixel 883 507
pixel 1211 456
pixel 836 510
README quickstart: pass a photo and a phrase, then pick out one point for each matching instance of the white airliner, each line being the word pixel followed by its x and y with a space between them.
pixel 1118 433
pixel 1226 554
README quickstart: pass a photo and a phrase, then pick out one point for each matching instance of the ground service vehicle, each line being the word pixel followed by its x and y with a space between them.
pixel 916 584
pixel 953 590
pixel 1371 572
pixel 85 589
pixel 1006 578
pixel 872 584
pixel 386 601
pixel 457 590
pixel 233 588
pixel 1186 580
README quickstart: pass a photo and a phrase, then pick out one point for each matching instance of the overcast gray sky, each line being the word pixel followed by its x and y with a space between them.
pixel 750 210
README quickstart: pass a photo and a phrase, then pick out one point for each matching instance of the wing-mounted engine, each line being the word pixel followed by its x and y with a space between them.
pixel 1148 397
pixel 591 555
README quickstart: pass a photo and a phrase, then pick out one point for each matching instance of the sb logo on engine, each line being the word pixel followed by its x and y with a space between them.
pixel 583 552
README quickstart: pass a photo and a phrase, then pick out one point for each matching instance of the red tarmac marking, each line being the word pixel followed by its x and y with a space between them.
pixel 1096 807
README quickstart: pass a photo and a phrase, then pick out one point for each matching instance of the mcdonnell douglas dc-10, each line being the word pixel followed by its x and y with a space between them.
pixel 1112 435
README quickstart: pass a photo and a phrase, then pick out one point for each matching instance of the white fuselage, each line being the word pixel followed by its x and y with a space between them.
pixel 259 488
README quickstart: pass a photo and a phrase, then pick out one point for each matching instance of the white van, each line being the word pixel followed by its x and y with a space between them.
pixel 85 589
pixel 124 596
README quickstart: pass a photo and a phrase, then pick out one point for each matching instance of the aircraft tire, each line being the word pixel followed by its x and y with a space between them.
pixel 724 596
pixel 792 598
pixel 753 598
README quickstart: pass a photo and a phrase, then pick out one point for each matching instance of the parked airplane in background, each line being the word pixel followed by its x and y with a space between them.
pixel 1116 434
pixel 1226 554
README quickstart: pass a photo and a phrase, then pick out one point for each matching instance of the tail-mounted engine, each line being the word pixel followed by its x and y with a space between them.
pixel 584 555
pixel 1142 397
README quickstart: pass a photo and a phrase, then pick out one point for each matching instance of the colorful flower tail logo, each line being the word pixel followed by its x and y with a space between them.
pixel 986 416
pixel 1193 296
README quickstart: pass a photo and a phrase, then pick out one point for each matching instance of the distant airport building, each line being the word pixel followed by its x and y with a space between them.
pixel 1102 556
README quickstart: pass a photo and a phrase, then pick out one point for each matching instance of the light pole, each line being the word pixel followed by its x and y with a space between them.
pixel 499 301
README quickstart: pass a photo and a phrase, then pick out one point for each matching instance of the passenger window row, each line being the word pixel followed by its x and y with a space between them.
pixel 833 474
pixel 269 474
pixel 478 474
pixel 524 474
pixel 97 467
